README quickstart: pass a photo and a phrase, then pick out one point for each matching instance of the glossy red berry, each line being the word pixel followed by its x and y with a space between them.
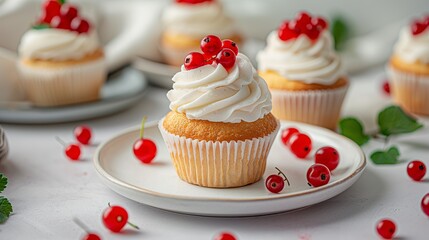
pixel 225 236
pixel 194 60
pixel 211 45
pixel 416 170
pixel 91 236
pixel 300 145
pixel 318 175
pixel 52 7
pixel 286 33
pixel 302 19
pixel 83 134
pixel 69 11
pixel 115 218
pixel 328 156
pixel 386 87
pixel 226 58
pixel 80 25
pixel 60 22
pixel 274 183
pixel 320 23
pixel 231 45
pixel 386 228
pixel 287 133
pixel 425 204
pixel 145 150
pixel 72 151
pixel 417 27
pixel 312 32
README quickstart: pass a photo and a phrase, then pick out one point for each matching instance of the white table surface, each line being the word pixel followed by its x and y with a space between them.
pixel 47 190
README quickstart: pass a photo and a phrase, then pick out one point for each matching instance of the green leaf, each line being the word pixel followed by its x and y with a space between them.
pixel 5 209
pixel 3 182
pixel 340 32
pixel 41 26
pixel 393 120
pixel 62 1
pixel 353 129
pixel 386 157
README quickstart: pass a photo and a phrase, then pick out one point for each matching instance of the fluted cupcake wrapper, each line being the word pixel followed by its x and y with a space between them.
pixel 409 90
pixel 317 107
pixel 218 164
pixel 4 147
pixel 54 86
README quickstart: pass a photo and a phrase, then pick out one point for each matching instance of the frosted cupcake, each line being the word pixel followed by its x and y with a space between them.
pixel 409 67
pixel 186 22
pixel 220 129
pixel 62 61
pixel 303 72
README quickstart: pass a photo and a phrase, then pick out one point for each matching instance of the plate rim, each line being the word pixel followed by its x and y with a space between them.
pixel 104 174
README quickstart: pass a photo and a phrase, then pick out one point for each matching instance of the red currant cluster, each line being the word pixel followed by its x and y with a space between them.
pixel 420 25
pixel 303 23
pixel 193 1
pixel 214 51
pixel 83 136
pixel 61 15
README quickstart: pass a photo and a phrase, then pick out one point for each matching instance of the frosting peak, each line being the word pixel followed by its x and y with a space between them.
pixel 302 59
pixel 412 48
pixel 212 93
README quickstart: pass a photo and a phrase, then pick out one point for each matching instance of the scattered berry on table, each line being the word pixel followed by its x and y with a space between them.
pixel 386 228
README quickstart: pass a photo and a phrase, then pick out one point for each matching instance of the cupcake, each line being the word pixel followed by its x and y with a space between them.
pixel 303 72
pixel 61 60
pixel 409 68
pixel 186 22
pixel 220 129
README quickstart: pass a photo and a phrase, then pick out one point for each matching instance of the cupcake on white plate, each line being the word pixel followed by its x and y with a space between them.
pixel 186 22
pixel 61 59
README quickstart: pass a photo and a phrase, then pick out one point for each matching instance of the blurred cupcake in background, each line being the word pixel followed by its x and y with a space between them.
pixel 186 22
pixel 409 67
pixel 304 73
pixel 61 59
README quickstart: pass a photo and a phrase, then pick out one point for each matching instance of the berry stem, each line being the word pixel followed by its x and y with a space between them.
pixel 133 225
pixel 61 141
pixel 81 224
pixel 283 175
pixel 142 127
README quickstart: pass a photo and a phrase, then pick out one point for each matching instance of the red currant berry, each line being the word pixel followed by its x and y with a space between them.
pixel 60 23
pixel 417 28
pixel 274 183
pixel 208 58
pixel 312 32
pixel 302 19
pixel 300 145
pixel 80 25
pixel 386 228
pixel 318 175
pixel 83 134
pixel 231 45
pixel 211 45
pixel 226 58
pixel 194 60
pixel 52 7
pixel 287 133
pixel 426 21
pixel 320 23
pixel 416 170
pixel 225 236
pixel 144 150
pixel 425 204
pixel 386 87
pixel 72 151
pixel 115 218
pixel 286 33
pixel 91 236
pixel 68 11
pixel 328 156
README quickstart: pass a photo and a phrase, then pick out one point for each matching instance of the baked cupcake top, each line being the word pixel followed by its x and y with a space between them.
pixel 60 34
pixel 413 43
pixel 302 50
pixel 220 85
pixel 197 18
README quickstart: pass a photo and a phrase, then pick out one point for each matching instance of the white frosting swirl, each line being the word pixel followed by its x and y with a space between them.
pixel 301 59
pixel 413 48
pixel 198 20
pixel 57 44
pixel 211 93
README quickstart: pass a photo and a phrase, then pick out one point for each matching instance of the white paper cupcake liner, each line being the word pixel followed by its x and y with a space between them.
pixel 54 86
pixel 218 164
pixel 316 107
pixel 411 91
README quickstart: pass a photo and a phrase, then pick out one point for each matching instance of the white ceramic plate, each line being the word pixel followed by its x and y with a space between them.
pixel 122 90
pixel 158 185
